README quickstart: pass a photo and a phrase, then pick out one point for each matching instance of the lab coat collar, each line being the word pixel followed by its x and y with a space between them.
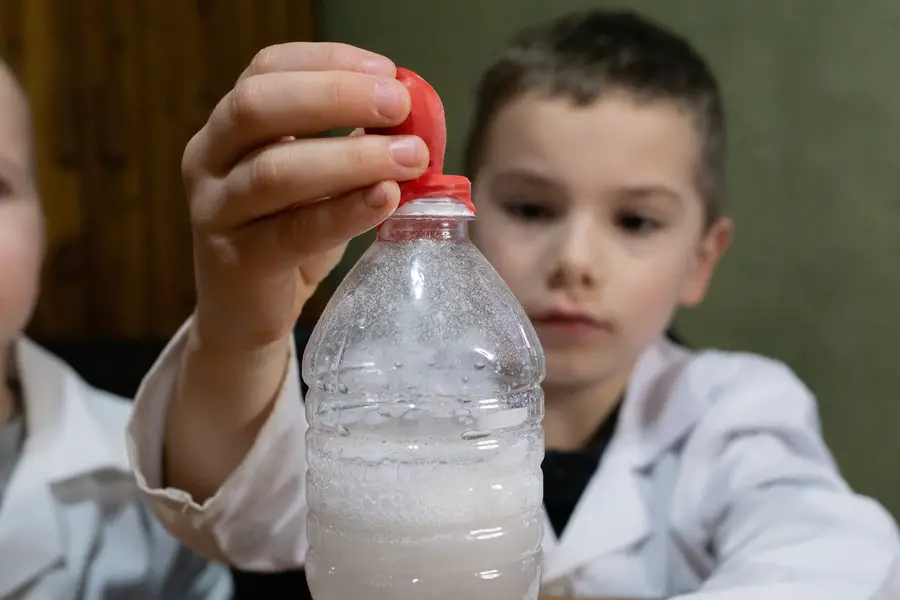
pixel 610 516
pixel 662 404
pixel 65 438
pixel 62 426
pixel 658 410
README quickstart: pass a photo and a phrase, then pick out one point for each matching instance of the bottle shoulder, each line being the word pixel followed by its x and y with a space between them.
pixel 431 306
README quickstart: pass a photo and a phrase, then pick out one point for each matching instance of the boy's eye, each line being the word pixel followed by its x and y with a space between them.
pixel 637 223
pixel 6 189
pixel 530 211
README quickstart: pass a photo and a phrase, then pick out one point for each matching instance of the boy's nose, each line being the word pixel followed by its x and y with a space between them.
pixel 578 261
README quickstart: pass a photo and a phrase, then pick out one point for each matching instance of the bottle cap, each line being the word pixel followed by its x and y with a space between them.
pixel 426 120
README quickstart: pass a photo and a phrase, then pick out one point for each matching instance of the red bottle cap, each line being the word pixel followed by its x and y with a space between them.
pixel 426 119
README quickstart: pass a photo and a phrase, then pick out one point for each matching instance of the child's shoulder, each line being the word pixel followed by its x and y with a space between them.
pixel 733 370
pixel 114 410
pixel 110 410
pixel 54 373
pixel 732 390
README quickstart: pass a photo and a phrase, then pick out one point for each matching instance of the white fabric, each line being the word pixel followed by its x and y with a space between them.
pixel 73 525
pixel 716 486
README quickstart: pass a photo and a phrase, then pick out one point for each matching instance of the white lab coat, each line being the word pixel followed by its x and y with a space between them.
pixel 716 486
pixel 73 525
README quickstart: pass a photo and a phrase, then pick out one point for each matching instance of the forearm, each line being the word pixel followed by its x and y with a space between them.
pixel 223 398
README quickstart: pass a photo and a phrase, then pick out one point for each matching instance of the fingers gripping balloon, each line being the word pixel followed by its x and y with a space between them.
pixel 427 121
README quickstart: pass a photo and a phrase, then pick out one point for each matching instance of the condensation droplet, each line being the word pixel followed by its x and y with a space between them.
pixel 342 388
pixel 474 434
pixel 398 365
pixel 465 379
pixel 479 364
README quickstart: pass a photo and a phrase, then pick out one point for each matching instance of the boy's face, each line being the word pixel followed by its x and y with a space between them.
pixel 593 217
pixel 21 223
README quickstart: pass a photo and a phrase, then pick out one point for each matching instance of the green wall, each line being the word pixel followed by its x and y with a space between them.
pixel 813 94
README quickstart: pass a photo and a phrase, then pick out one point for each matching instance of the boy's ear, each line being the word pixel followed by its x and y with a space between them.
pixel 715 242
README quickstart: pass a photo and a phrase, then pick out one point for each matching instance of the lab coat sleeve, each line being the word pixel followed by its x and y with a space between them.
pixel 765 504
pixel 257 520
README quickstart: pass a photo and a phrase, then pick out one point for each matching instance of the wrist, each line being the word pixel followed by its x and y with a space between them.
pixel 224 329
pixel 243 376
pixel 228 346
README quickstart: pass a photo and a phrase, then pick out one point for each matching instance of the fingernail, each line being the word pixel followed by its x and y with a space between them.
pixel 406 151
pixel 376 197
pixel 390 98
pixel 378 65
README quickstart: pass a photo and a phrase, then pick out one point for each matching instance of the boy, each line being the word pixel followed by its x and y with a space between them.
pixel 597 159
pixel 72 524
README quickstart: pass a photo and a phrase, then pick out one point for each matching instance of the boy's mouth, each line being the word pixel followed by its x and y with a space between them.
pixel 578 323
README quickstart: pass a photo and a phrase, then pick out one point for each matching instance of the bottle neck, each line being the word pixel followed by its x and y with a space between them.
pixel 410 228
pixel 439 218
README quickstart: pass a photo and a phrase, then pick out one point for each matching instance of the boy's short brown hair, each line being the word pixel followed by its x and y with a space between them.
pixel 584 55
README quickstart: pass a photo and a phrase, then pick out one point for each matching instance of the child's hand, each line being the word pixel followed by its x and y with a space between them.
pixel 272 205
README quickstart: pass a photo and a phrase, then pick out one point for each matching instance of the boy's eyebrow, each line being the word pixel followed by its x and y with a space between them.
pixel 625 193
pixel 640 192
pixel 521 176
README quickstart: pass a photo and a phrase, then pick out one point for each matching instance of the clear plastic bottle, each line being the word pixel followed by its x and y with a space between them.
pixel 425 442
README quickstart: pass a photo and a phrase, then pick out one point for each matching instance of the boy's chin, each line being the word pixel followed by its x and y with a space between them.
pixel 580 369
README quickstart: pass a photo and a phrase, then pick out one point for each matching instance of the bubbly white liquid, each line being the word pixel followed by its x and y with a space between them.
pixel 385 526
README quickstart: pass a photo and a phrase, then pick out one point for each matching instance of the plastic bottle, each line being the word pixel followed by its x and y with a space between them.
pixel 425 442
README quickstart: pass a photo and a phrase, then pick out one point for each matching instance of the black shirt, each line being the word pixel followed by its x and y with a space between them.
pixel 567 474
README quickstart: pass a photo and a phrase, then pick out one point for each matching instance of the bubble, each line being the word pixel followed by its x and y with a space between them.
pixel 376 417
pixel 339 429
pixel 412 416
pixel 463 416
